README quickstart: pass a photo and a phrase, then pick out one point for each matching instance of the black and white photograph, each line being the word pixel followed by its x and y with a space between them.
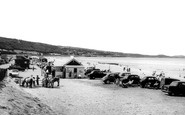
pixel 92 57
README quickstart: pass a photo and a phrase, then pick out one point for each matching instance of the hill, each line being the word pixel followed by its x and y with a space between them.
pixel 9 45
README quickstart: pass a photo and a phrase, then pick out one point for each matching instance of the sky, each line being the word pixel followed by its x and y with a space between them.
pixel 130 26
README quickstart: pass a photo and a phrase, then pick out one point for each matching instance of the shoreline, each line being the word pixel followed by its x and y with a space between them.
pixel 173 68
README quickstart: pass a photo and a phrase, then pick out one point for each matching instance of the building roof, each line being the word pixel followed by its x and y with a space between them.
pixel 73 61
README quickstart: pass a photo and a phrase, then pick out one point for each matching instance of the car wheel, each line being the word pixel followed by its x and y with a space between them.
pixel 142 86
pixel 170 94
pixel 117 81
pixel 108 82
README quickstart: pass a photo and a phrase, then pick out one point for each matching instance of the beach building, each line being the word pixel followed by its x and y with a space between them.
pixel 73 69
pixel 70 69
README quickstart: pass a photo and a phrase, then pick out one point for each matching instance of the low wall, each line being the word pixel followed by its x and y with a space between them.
pixel 3 73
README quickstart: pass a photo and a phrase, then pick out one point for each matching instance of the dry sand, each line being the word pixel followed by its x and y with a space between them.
pixel 92 97
pixel 14 101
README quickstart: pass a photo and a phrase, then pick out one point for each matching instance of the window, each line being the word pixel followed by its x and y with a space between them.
pixel 75 70
pixel 174 84
pixel 183 84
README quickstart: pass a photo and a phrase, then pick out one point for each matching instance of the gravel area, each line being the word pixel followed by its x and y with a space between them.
pixel 92 97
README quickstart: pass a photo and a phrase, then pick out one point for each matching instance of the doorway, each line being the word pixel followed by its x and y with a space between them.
pixel 75 72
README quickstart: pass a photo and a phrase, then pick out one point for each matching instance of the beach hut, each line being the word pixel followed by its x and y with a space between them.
pixel 73 69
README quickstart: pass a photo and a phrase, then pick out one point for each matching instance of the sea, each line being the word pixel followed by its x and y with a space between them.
pixel 172 67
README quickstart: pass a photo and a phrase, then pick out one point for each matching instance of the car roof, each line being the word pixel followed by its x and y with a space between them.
pixel 150 76
pixel 179 81
pixel 133 75
pixel 170 78
pixel 15 70
pixel 115 73
pixel 125 72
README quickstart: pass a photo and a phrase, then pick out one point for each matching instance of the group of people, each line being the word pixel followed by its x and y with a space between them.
pixel 127 69
pixel 48 71
pixel 30 81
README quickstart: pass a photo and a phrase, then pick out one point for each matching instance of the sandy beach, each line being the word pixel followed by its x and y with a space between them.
pixel 92 97
pixel 15 101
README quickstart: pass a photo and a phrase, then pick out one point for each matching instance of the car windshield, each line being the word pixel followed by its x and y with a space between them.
pixel 174 83
pixel 15 70
pixel 124 74
pixel 95 72
pixel 151 78
pixel 168 81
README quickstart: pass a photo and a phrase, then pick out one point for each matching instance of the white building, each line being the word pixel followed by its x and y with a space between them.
pixel 74 69
pixel 71 69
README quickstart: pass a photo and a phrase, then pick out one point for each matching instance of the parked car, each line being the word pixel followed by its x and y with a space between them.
pixel 18 80
pixel 2 61
pixel 130 80
pixel 110 77
pixel 14 73
pixel 16 67
pixel 96 74
pixel 165 82
pixel 90 69
pixel 123 74
pixel 120 77
pixel 176 88
pixel 148 82
pixel 135 78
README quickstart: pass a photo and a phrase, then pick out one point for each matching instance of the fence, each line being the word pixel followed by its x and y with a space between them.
pixel 3 73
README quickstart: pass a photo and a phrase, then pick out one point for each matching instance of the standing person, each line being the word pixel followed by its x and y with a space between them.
pixel 53 72
pixel 31 81
pixel 154 73
pixel 48 68
pixel 127 69
pixel 37 79
pixel 33 68
pixel 34 81
pixel 70 73
pixel 123 68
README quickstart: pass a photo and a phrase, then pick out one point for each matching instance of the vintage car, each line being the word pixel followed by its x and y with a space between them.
pixel 2 61
pixel 149 82
pixel 135 78
pixel 123 74
pixel 14 73
pixel 90 69
pixel 130 80
pixel 110 77
pixel 96 74
pixel 16 67
pixel 165 82
pixel 176 88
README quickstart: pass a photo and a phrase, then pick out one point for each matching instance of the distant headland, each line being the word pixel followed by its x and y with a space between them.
pixel 16 46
